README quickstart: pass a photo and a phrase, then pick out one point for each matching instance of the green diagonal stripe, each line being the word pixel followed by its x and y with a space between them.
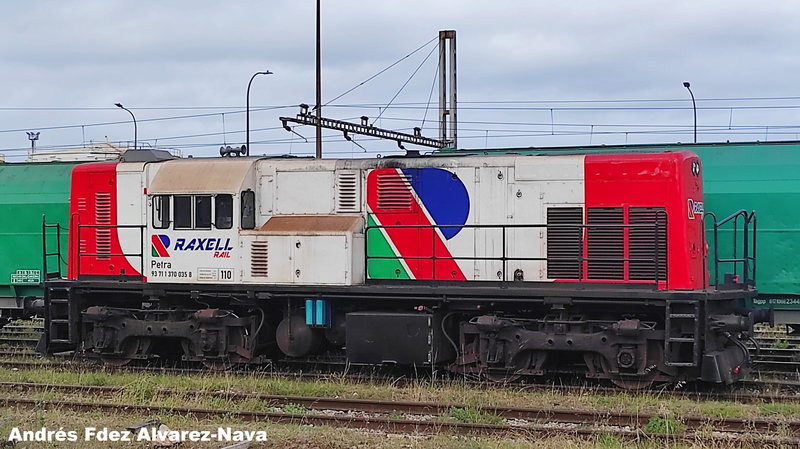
pixel 377 246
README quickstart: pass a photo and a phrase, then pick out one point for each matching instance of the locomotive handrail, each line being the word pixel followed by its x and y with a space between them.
pixel 582 261
pixel 45 274
pixel 140 255
pixel 748 256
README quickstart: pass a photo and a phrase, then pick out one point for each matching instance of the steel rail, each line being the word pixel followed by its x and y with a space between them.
pixel 779 390
pixel 402 425
pixel 540 415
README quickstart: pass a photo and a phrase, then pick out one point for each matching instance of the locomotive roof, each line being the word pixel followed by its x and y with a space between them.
pixel 200 175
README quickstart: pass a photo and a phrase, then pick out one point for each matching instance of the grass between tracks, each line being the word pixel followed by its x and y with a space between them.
pixel 145 388
pixel 305 437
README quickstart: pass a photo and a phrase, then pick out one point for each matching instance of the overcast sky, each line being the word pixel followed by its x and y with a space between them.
pixel 530 72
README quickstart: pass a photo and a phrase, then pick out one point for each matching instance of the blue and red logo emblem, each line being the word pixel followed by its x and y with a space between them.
pixel 160 243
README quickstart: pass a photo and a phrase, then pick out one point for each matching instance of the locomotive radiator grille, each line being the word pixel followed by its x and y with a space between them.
pixel 606 244
pixel 564 242
pixel 259 259
pixel 645 245
pixel 103 218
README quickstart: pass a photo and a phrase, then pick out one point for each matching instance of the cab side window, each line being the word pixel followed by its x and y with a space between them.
pixel 161 218
pixel 202 212
pixel 197 211
pixel 248 209
pixel 223 211
pixel 183 212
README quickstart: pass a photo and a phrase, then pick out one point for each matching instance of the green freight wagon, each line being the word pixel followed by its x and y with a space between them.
pixel 763 177
pixel 29 191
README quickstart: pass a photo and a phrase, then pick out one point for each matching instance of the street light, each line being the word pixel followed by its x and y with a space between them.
pixel 694 107
pixel 266 72
pixel 135 131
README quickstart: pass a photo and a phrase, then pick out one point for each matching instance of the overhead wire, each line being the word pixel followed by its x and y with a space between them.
pixel 380 72
pixel 405 84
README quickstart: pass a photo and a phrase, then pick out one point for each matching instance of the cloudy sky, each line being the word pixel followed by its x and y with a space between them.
pixel 530 72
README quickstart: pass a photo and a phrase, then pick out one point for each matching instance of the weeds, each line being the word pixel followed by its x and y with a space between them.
pixel 668 425
pixel 782 409
pixel 294 409
pixel 608 441
pixel 473 416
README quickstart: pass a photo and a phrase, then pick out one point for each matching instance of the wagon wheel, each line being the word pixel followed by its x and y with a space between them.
pixel 237 339
pixel 132 348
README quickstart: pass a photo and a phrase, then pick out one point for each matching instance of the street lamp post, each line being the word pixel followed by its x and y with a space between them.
pixel 247 147
pixel 694 108
pixel 135 131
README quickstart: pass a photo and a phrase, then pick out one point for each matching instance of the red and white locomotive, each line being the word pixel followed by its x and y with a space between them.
pixel 502 265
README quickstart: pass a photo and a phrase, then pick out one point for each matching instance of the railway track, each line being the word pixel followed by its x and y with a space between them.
pixel 429 418
pixel 22 333
pixel 778 391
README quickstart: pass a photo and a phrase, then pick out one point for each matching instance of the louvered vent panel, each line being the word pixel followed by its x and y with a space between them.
pixel 259 259
pixel 103 218
pixel 648 244
pixel 564 242
pixel 81 204
pixel 605 244
pixel 394 191
pixel 347 198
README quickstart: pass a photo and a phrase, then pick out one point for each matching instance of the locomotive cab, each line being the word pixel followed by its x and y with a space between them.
pixel 196 211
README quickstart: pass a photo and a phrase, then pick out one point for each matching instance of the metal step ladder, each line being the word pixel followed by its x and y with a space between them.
pixel 60 324
pixel 682 333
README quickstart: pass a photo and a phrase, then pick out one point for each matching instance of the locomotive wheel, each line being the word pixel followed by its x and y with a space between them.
pixel 655 355
pixel 235 339
pixel 520 363
pixel 131 348
pixel 296 339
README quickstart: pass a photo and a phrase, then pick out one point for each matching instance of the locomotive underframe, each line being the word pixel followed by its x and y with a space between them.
pixel 499 330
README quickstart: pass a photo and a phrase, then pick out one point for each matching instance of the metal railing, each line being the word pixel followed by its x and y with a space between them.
pixel 583 261
pixel 46 275
pixel 80 254
pixel 742 253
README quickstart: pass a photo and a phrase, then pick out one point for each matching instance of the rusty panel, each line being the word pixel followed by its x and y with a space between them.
pixel 312 224
pixel 201 176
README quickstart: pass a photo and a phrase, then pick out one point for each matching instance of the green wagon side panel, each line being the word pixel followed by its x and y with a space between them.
pixel 27 192
pixel 764 177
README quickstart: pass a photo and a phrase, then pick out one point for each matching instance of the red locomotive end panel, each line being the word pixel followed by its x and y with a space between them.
pixel 94 247
pixel 634 188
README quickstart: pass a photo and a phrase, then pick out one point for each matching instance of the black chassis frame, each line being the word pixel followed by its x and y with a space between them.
pixel 500 299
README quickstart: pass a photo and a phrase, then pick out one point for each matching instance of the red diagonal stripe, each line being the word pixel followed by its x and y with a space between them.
pixel 159 246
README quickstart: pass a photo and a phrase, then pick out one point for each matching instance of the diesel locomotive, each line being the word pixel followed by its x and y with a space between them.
pixel 493 265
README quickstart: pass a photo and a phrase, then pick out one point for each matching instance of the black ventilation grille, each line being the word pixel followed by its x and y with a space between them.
pixel 564 242
pixel 606 249
pixel 646 245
